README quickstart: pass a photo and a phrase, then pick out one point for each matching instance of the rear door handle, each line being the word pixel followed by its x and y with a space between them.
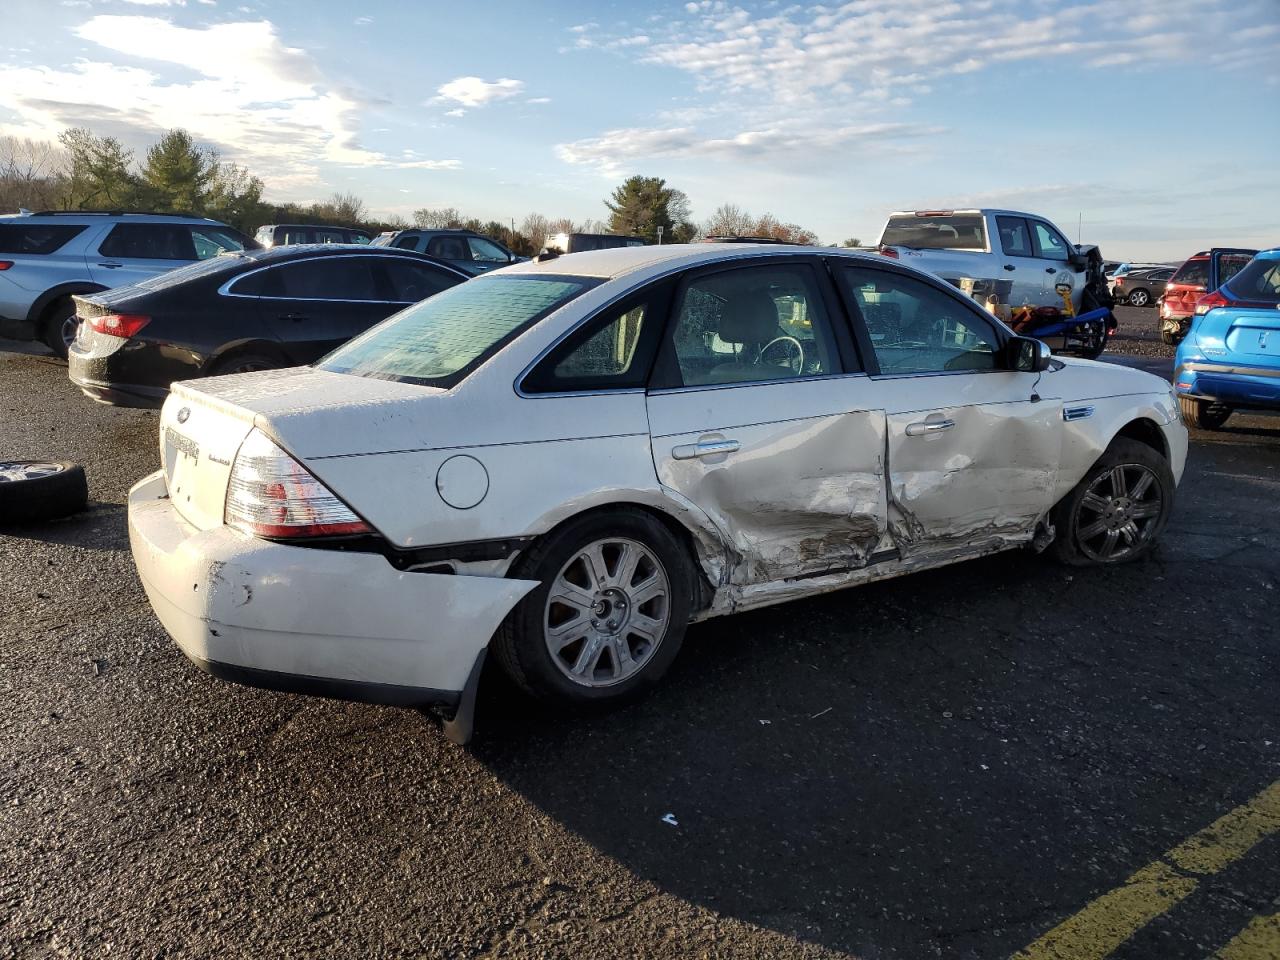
pixel 704 448
pixel 1050 269
pixel 1010 266
pixel 922 427
pixel 295 317
pixel 111 266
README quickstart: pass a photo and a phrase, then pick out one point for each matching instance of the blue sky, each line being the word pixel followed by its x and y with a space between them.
pixel 1155 121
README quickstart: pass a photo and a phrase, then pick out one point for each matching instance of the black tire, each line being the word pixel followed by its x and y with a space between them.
pixel 1093 350
pixel 1072 516
pixel 520 644
pixel 1204 414
pixel 1139 298
pixel 30 494
pixel 243 363
pixel 56 323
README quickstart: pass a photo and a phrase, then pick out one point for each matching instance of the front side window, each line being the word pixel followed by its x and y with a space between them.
pixel 438 341
pixel 149 241
pixel 915 327
pixel 1049 243
pixel 211 241
pixel 411 282
pixel 449 248
pixel 486 250
pixel 752 324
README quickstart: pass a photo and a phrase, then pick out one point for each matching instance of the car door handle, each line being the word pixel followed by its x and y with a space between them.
pixel 923 427
pixel 111 266
pixel 1050 269
pixel 1010 266
pixel 704 448
pixel 295 317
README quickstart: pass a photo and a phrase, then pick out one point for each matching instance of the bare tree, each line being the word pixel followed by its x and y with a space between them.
pixel 535 228
pixel 444 218
pixel 563 225
pixel 32 174
pixel 347 208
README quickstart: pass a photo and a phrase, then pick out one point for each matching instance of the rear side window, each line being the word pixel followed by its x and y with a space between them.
pixel 1015 241
pixel 1193 272
pixel 449 248
pixel 407 243
pixel 939 232
pixel 330 278
pixel 37 238
pixel 149 241
pixel 1260 280
pixel 438 341
pixel 329 236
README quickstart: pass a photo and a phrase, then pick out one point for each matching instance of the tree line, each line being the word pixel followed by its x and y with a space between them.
pixel 84 171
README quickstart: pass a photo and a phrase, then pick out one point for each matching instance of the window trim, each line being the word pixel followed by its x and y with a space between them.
pixel 226 291
pixel 1002 333
pixel 667 363
pixel 656 294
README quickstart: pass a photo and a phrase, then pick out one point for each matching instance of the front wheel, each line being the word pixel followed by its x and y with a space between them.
pixel 1139 298
pixel 1205 414
pixel 1116 512
pixel 608 616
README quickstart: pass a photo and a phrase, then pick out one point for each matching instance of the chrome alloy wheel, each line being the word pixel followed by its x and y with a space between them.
pixel 12 471
pixel 1118 513
pixel 607 612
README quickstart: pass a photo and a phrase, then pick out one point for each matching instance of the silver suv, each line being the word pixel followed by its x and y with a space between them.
pixel 46 258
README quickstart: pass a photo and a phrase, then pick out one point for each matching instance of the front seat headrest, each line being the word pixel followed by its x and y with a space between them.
pixel 750 317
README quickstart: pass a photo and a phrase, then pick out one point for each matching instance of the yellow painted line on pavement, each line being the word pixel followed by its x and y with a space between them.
pixel 1260 940
pixel 1107 922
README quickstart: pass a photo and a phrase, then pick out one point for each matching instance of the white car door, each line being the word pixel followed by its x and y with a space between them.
pixel 754 418
pixel 1018 263
pixel 1054 253
pixel 131 252
pixel 973 448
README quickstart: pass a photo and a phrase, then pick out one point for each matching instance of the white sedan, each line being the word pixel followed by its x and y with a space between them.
pixel 567 461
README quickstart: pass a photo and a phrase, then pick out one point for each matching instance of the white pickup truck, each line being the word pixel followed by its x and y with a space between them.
pixel 1026 251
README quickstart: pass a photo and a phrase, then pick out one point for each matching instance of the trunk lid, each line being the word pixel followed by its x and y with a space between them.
pixel 199 437
pixel 1253 331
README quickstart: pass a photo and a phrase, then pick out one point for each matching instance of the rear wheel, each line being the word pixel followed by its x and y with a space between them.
pixel 60 326
pixel 243 363
pixel 607 618
pixel 1205 414
pixel 1116 512
pixel 1139 298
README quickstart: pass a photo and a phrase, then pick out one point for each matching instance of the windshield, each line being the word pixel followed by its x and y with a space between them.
pixel 1193 273
pixel 942 232
pixel 439 340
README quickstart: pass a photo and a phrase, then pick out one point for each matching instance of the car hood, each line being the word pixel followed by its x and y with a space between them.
pixel 1093 379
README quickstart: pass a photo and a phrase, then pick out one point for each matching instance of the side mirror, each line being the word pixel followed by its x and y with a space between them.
pixel 1079 261
pixel 1028 355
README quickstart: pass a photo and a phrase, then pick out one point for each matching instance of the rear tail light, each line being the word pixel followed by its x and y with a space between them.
pixel 273 496
pixel 888 252
pixel 1119 281
pixel 123 325
pixel 1211 300
pixel 5 264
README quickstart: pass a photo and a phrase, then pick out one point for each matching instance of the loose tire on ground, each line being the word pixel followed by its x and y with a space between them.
pixel 32 491
pixel 614 600
pixel 1204 414
pixel 1129 493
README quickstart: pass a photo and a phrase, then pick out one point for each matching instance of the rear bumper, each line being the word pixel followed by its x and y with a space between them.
pixel 308 620
pixel 1236 384
pixel 118 394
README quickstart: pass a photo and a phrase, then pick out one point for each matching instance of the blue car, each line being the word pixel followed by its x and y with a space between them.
pixel 1230 359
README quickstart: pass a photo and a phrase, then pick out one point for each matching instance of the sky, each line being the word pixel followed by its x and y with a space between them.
pixel 1149 127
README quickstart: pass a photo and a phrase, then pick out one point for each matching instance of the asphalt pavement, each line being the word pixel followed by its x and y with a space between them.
pixel 951 764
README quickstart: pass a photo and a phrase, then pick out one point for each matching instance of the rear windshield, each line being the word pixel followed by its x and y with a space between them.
pixel 36 238
pixel 1229 264
pixel 1260 280
pixel 1193 272
pixel 222 263
pixel 441 339
pixel 953 232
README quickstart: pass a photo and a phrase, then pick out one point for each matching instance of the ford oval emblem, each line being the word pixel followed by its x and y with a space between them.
pixel 183 414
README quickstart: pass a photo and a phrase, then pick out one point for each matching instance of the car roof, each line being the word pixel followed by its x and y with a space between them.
pixel 300 251
pixel 619 261
pixel 91 216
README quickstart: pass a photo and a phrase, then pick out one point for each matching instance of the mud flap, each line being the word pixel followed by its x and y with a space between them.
pixel 461 726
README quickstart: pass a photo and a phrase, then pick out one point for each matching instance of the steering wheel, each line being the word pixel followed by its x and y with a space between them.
pixel 796 362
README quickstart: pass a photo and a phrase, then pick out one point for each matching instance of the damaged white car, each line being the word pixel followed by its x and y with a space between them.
pixel 567 461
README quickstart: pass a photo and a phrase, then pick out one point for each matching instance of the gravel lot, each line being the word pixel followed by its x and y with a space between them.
pixel 943 765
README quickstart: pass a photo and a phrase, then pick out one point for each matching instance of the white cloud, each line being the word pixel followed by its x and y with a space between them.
pixel 363 21
pixel 262 103
pixel 538 100
pixel 475 92
pixel 459 112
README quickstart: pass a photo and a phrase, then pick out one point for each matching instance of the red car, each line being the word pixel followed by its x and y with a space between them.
pixel 1200 274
